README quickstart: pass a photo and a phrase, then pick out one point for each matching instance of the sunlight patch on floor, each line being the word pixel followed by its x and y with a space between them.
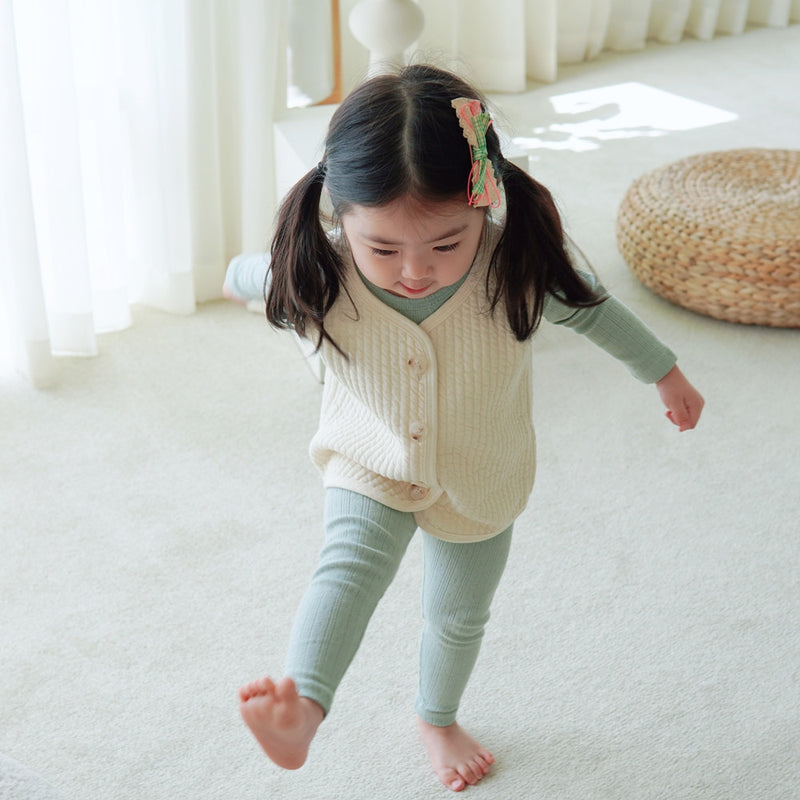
pixel 584 120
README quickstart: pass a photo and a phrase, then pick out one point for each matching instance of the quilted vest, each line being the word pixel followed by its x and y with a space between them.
pixel 433 419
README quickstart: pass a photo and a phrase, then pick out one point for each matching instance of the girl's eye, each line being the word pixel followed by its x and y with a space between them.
pixel 447 248
pixel 377 252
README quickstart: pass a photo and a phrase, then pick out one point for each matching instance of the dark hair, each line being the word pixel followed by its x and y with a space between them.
pixel 394 136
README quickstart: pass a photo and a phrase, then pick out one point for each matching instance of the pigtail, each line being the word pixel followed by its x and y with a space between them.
pixel 531 258
pixel 305 273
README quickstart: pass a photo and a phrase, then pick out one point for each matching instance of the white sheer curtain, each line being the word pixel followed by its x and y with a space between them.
pixel 136 152
pixel 508 41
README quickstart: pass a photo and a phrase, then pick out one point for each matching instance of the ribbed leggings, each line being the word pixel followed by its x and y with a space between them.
pixel 364 544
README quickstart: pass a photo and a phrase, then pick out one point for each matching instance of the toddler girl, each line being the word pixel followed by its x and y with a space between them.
pixel 422 300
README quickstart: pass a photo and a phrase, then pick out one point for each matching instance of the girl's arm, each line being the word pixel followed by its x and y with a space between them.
pixel 616 329
pixel 613 327
pixel 684 403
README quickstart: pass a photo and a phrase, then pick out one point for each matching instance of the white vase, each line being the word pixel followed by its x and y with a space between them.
pixel 386 28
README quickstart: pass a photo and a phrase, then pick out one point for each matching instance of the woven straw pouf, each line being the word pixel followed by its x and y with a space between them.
pixel 719 233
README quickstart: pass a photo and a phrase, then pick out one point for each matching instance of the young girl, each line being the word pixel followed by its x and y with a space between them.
pixel 423 304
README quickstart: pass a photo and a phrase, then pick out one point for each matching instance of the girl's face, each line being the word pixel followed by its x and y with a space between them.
pixel 412 249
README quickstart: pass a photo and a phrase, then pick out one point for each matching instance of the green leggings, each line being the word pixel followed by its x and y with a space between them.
pixel 364 544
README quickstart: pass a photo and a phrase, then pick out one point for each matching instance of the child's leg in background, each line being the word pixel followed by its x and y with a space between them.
pixel 458 587
pixel 364 544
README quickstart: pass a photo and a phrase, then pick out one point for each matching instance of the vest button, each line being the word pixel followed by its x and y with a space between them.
pixel 418 492
pixel 418 365
pixel 416 430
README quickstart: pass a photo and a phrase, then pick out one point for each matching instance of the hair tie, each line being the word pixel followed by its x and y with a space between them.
pixel 481 186
pixel 321 169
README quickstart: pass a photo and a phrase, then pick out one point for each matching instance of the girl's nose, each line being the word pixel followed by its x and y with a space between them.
pixel 415 266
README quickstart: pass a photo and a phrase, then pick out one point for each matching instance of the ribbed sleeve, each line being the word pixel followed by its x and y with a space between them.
pixel 617 330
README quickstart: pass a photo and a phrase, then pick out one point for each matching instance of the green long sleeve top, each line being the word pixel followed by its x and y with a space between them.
pixel 611 325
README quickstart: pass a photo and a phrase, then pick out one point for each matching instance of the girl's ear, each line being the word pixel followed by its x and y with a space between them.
pixel 327 215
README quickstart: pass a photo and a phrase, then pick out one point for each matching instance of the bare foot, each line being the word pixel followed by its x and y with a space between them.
pixel 283 722
pixel 457 758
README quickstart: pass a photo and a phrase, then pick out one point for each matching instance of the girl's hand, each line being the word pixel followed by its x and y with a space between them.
pixel 684 403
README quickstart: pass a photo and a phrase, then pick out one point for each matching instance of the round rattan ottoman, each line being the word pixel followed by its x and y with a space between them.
pixel 719 233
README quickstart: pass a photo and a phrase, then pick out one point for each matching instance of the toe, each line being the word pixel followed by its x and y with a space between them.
pixel 285 689
pixel 470 773
pixel 483 763
pixel 257 688
pixel 452 780
pixel 247 691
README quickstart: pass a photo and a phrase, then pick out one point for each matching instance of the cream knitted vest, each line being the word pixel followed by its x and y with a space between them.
pixel 432 418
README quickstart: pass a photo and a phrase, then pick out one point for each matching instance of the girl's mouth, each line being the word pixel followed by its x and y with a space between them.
pixel 415 292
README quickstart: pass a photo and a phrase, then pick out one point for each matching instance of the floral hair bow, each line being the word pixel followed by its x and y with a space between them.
pixel 482 187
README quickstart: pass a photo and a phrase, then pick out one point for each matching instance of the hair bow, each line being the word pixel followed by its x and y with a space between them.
pixel 481 187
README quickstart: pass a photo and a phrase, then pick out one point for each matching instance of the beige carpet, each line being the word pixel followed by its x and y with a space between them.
pixel 160 520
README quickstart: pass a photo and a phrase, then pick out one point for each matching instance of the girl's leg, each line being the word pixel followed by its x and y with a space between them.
pixel 458 587
pixel 364 544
